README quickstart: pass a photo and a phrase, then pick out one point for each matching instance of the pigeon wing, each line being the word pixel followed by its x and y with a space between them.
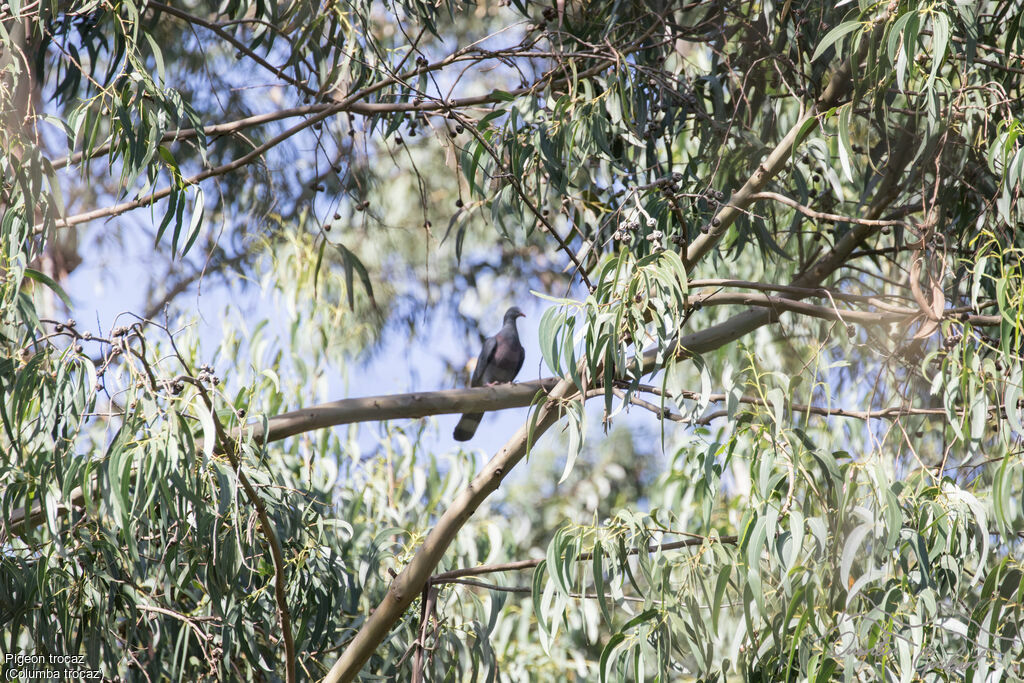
pixel 485 360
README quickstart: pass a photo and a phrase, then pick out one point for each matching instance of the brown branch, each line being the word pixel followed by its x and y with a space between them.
pixel 350 103
pixel 450 401
pixel 417 572
pixel 229 446
pixel 892 412
pixel 664 413
pixel 818 215
pixel 517 186
pixel 526 590
pixel 190 621
pixel 216 129
pixel 346 411
pixel 277 558
pixel 157 195
pixel 411 580
pixel 429 600
pixel 239 45
pixel 874 300
pixel 491 586
pixel 415 575
pixel 347 103
pixel 183 284
pixel 305 110
pixel 401 406
pixel 781 304
pixel 458 574
pixel 888 314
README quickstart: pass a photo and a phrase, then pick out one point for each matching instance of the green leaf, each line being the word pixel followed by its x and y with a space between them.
pixel 470 167
pixel 646 615
pixel 1012 394
pixel 835 36
pixel 755 542
pixel 539 589
pixel 721 583
pixel 196 222
pixel 561 558
pixel 49 282
pixel 158 56
pixel 825 671
pixel 209 431
pixel 895 33
pixel 851 551
pixel 353 266
pixel 845 148
pixel 1001 488
pixel 548 332
pixel 909 52
pixel 318 264
pixel 576 426
pixel 940 40
pixel 608 655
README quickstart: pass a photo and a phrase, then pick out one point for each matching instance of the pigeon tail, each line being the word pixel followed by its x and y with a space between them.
pixel 466 427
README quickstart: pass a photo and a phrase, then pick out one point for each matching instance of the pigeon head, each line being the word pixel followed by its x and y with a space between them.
pixel 513 313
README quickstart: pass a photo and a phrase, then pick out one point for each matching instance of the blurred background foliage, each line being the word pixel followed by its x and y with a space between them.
pixel 832 492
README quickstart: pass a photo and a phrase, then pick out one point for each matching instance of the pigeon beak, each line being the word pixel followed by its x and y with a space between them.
pixel 521 315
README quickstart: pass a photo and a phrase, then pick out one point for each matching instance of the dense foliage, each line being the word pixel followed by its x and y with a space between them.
pixel 786 233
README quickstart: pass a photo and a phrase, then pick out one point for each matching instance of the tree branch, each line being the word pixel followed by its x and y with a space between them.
pixel 429 600
pixel 350 103
pixel 414 576
pixel 456 574
pixel 237 44
pixel 225 128
pixel 876 300
pixel 157 195
pixel 517 186
pixel 229 446
pixel 880 414
pixel 781 304
pixel 818 215
pixel 401 406
pixel 229 127
pixel 837 88
pixel 346 411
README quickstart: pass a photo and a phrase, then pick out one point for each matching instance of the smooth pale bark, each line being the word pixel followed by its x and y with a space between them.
pixel 404 406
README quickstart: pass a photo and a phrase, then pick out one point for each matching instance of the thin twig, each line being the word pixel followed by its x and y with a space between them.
pixel 821 216
pixel 426 613
pixel 517 186
pixel 526 590
pixel 239 45
pixel 228 446
pixel 450 576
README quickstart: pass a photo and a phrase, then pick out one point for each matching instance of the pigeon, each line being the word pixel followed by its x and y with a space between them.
pixel 500 361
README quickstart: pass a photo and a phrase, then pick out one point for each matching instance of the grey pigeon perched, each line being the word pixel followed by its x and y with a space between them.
pixel 500 361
